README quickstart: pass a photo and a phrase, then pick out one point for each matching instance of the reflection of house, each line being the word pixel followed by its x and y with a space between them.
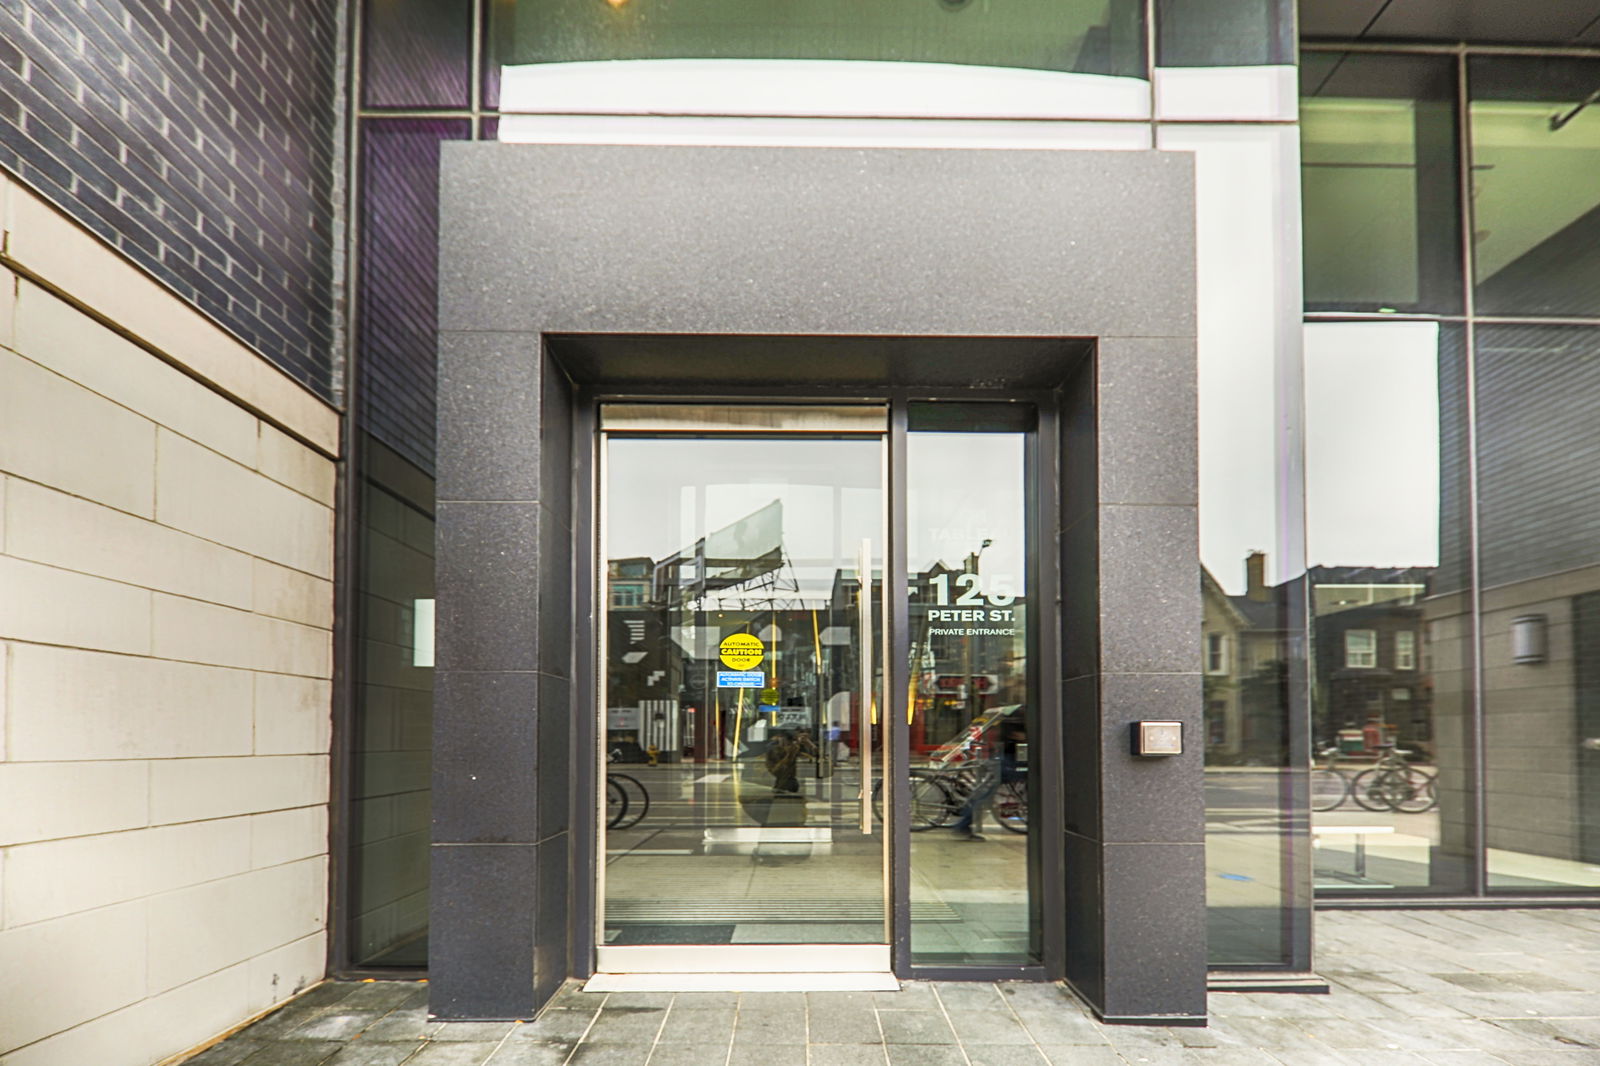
pixel 628 581
pixel 1368 653
pixel 1244 650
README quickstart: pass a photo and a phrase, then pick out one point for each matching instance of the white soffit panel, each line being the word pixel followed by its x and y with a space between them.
pixel 1227 94
pixel 825 132
pixel 821 87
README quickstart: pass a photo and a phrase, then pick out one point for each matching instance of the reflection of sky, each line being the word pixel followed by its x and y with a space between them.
pixel 963 489
pixel 665 494
pixel 1372 444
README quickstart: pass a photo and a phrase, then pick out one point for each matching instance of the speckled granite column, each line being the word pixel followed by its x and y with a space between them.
pixel 502 718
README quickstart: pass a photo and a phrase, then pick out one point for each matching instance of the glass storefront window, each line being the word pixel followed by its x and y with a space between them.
pixel 416 53
pixel 1081 36
pixel 1390 670
pixel 392 746
pixel 1539 513
pixel 1224 33
pixel 1379 175
pixel 1535 185
pixel 972 706
pixel 391 731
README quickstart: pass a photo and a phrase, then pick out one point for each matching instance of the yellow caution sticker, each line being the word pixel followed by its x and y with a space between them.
pixel 741 651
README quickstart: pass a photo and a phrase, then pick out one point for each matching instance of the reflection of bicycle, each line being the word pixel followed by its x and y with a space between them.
pixel 1395 785
pixel 627 801
pixel 1330 786
pixel 937 797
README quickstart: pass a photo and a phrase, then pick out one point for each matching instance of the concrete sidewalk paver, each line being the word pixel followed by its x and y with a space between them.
pixel 1409 988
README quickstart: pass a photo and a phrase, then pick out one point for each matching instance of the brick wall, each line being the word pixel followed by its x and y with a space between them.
pixel 196 136
pixel 166 600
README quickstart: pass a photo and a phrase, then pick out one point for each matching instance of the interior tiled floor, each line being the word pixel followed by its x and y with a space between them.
pixel 701 867
pixel 1409 988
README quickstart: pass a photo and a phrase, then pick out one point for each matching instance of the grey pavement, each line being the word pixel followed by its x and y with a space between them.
pixel 1409 988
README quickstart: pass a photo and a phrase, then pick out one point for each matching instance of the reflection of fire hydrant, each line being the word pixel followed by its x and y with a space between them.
pixel 652 751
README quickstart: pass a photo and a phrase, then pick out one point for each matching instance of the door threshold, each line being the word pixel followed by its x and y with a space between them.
pixel 742 982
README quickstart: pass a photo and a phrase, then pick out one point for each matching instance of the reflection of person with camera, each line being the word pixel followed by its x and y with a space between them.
pixel 783 754
pixel 996 764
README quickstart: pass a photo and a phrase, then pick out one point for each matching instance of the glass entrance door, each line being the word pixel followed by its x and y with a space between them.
pixel 741 679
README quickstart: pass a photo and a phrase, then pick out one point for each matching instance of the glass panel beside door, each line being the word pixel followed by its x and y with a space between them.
pixel 741 675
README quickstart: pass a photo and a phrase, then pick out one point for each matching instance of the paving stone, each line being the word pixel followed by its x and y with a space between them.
pixel 1185 1056
pixel 1464 1058
pixel 757 1055
pixel 773 1001
pixel 838 1001
pixel 532 1053
pixel 1558 1058
pixel 705 1000
pixel 662 1000
pixel 228 1053
pixel 925 1055
pixel 285 1020
pixel 1340 1033
pixel 844 1055
pixel 560 1024
pixel 912 996
pixel 408 1025
pixel 571 994
pixel 1060 1027
pixel 626 1025
pixel 1006 1055
pixel 1074 1055
pixel 384 995
pixel 915 1027
pixel 293 1053
pixel 477 1032
pixel 454 1053
pixel 1038 994
pixel 336 1024
pixel 608 1055
pixel 772 1027
pixel 697 1026
pixel 1143 1036
pixel 968 995
pixel 984 1027
pixel 325 994
pixel 1565 1034
pixel 362 1053
pixel 854 1026
pixel 687 1054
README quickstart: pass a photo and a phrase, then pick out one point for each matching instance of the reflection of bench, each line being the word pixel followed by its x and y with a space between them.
pixel 1360 832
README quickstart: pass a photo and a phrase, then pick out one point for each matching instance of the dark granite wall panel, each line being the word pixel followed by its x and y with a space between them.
pixel 197 138
pixel 851 241
pixel 1155 937
pixel 844 242
pixel 481 933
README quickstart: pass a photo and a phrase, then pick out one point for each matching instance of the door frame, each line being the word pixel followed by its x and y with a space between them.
pixel 1044 469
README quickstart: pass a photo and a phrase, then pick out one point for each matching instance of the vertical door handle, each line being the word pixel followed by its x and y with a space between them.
pixel 864 621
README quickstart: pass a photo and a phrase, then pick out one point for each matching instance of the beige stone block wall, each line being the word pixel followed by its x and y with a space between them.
pixel 166 606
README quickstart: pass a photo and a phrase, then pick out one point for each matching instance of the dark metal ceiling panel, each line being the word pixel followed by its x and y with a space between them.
pixel 1483 21
pixel 1337 18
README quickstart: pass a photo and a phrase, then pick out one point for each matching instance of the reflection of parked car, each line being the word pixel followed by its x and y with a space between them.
pixel 627 750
